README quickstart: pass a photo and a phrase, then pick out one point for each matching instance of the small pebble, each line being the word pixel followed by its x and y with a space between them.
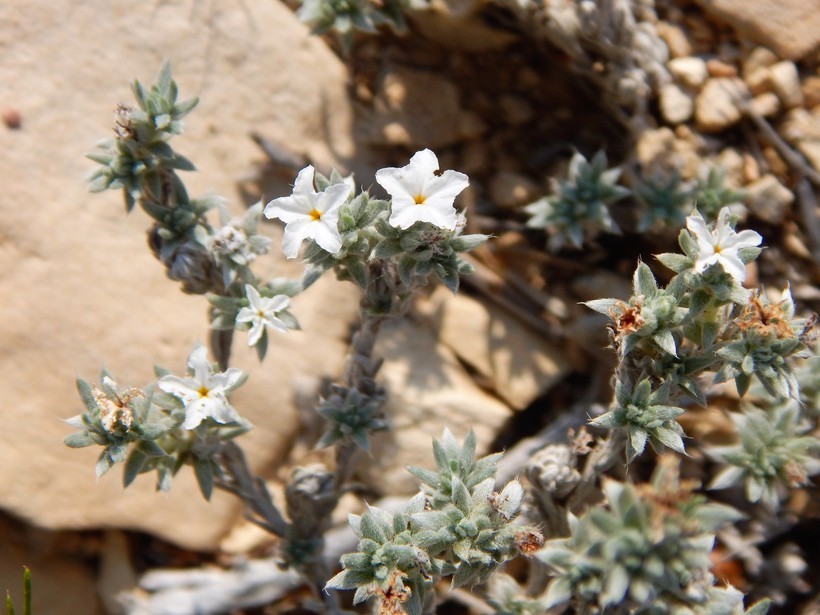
pixel 12 119
pixel 718 68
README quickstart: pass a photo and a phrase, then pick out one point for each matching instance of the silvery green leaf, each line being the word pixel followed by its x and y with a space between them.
pixel 133 466
pixel 413 604
pixel 617 582
pixel 622 394
pixel 362 593
pixel 461 495
pixel 641 393
pixel 104 464
pixel 387 249
pixel 669 438
pixel 712 517
pixel 509 500
pixel 742 383
pixel 761 607
pixel 558 592
pixel 602 306
pixel 440 456
pixel 428 477
pixel 482 491
pixel 666 341
pixel 86 394
pixel 754 489
pixel 355 522
pixel 379 517
pixel 468 448
pixel 99 183
pixel 79 440
pixel 666 413
pixel 416 504
pixel 688 244
pixel 608 420
pixel 675 262
pixel 356 269
pixel 693 390
pixel 636 442
pixel 340 581
pixel 643 282
pixel 465 243
pixel 75 421
pixel 698 302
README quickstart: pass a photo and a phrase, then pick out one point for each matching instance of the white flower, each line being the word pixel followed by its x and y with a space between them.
pixel 419 195
pixel 204 392
pixel 308 214
pixel 721 245
pixel 262 312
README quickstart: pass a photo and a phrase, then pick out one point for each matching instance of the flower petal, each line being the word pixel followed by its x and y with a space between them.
pixel 326 236
pixel 290 209
pixel 184 388
pixel 732 265
pixel 295 233
pixel 196 412
pixel 255 332
pixel 304 181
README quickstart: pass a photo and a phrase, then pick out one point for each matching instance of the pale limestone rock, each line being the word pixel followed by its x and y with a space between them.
pixel 661 149
pixel 428 389
pixel 751 168
pixel 689 71
pixel 768 199
pixel 719 68
pixel 716 107
pixel 801 125
pixel 509 189
pixel 811 91
pixel 811 150
pixel 766 104
pixel 80 288
pixel 731 163
pixel 519 364
pixel 676 104
pixel 786 84
pixel 759 81
pixel 759 57
pixel 790 28
pixel 675 39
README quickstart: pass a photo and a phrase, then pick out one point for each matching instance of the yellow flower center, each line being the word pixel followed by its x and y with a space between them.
pixel 717 249
pixel 315 214
pixel 203 391
pixel 419 199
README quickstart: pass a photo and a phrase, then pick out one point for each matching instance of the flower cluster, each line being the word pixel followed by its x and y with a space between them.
pixel 173 422
pixel 141 162
pixel 579 210
pixel 775 451
pixel 647 551
pixel 345 16
pixel 703 321
pixel 458 526
pixel 418 231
